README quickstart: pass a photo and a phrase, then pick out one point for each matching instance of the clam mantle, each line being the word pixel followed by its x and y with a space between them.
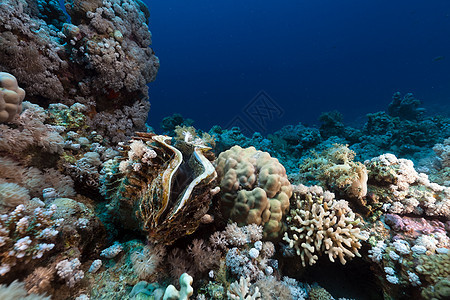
pixel 161 188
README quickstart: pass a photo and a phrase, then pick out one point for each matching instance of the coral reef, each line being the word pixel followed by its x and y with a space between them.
pixel 254 189
pixel 407 108
pixel 91 207
pixel 16 290
pixel 318 224
pixel 101 59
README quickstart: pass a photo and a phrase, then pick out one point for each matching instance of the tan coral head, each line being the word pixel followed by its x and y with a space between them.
pixel 11 97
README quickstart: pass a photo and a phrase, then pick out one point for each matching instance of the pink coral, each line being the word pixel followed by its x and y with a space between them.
pixel 414 227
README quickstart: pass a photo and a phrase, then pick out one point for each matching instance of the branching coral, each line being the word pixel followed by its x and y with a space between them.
pixel 241 290
pixel 245 254
pixel 319 224
pixel 254 189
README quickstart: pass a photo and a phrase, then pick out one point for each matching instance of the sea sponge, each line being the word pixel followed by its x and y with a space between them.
pixel 317 223
pixel 254 189
pixel 11 97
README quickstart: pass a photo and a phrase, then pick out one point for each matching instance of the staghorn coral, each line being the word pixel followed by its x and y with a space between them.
pixel 254 189
pixel 319 224
pixel 11 97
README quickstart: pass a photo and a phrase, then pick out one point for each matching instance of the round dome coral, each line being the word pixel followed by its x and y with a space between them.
pixel 11 97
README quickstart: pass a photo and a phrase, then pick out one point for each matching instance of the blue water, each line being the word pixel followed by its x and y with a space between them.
pixel 308 57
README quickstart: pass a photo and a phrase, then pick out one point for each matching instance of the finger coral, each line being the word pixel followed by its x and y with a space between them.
pixel 241 290
pixel 319 224
pixel 254 189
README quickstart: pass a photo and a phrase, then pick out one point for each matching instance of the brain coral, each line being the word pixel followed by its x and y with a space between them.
pixel 11 97
pixel 254 189
pixel 320 224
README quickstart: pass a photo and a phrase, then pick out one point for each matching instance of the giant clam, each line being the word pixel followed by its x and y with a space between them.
pixel 164 188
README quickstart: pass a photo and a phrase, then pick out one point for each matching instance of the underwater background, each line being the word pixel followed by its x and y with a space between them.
pixel 308 56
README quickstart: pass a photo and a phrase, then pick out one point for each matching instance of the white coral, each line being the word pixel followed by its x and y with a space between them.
pixel 241 290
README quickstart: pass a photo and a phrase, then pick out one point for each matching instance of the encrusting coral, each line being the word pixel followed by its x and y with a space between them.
pixel 318 224
pixel 254 189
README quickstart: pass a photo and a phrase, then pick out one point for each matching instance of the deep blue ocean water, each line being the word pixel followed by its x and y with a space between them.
pixel 307 57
